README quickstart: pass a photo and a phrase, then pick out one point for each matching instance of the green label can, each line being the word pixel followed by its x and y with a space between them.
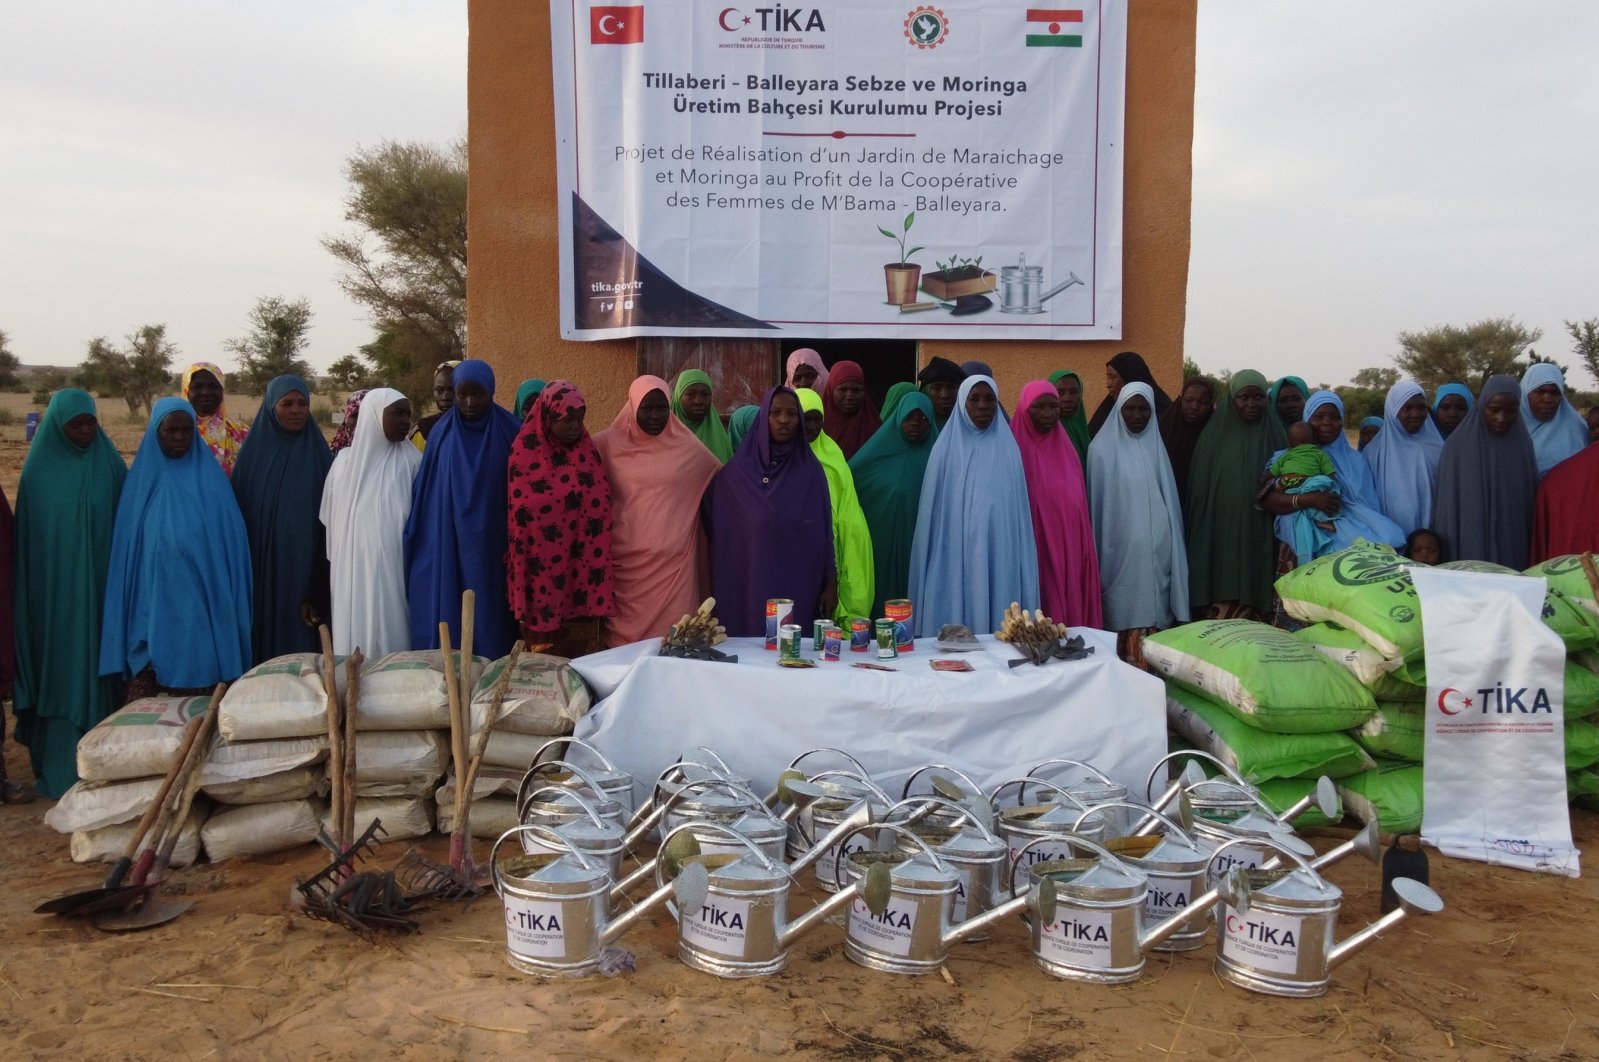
pixel 788 641
pixel 887 644
pixel 819 634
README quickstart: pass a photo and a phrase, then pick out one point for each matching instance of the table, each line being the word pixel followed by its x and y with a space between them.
pixel 995 722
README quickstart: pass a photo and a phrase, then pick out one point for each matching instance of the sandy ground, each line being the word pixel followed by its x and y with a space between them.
pixel 1509 970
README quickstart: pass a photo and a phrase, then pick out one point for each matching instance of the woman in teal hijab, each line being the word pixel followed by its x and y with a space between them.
pixel 693 404
pixel 1288 396
pixel 892 399
pixel 740 423
pixel 888 474
pixel 525 395
pixel 66 507
pixel 1069 386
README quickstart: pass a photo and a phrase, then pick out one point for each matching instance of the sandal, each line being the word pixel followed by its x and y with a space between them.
pixel 16 793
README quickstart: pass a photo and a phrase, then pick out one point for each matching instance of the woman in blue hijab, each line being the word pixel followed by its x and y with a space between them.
pixel 455 537
pixel 278 481
pixel 1450 404
pixel 1361 514
pixel 177 601
pixel 973 552
pixel 1557 429
pixel 1404 457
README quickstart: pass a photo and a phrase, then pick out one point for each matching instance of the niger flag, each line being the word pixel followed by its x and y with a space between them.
pixel 1047 26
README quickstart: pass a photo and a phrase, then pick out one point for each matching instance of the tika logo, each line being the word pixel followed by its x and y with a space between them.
pixel 1261 933
pixel 774 19
pixel 616 25
pixel 1497 699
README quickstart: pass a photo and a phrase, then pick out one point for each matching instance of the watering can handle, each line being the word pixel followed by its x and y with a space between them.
pixel 940 802
pixel 795 762
pixel 539 768
pixel 1246 790
pixel 766 861
pixel 605 764
pixel 582 801
pixel 1141 809
pixel 543 833
pixel 865 779
pixel 726 770
pixel 1070 838
pixel 838 865
pixel 905 791
pixel 1024 782
pixel 1149 785
pixel 1059 761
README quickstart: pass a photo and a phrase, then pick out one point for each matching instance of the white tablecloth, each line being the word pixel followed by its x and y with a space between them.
pixel 994 722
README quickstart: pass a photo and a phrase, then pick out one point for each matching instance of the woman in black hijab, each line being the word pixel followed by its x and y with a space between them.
pixel 1125 368
pixel 1488 481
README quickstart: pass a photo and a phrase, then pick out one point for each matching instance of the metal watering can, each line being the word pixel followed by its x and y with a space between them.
pixel 797 815
pixel 1089 921
pixel 1095 790
pixel 1177 868
pixel 1274 934
pixel 834 790
pixel 967 794
pixel 615 784
pixel 739 927
pixel 970 849
pixel 1211 799
pixel 1052 821
pixel 554 810
pixel 556 921
pixel 854 804
pixel 710 766
pixel 599 838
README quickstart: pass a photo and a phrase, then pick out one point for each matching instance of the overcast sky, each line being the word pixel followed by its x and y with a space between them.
pixel 1359 168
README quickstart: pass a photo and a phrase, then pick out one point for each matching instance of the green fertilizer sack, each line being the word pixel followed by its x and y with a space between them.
pixel 1367 589
pixel 1397 732
pixel 1280 794
pixel 1270 679
pixel 1582 787
pixel 1582 744
pixel 1389 794
pixel 1256 754
pixel 1566 575
pixel 1581 694
pixel 1349 651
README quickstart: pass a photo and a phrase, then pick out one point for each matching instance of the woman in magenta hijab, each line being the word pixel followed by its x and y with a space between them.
pixel 1068 565
pixel 851 416
pixel 806 369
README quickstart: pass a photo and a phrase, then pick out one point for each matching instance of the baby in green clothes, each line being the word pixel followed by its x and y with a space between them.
pixel 1305 468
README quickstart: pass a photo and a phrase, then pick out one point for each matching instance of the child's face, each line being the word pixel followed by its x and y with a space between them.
pixel 1424 550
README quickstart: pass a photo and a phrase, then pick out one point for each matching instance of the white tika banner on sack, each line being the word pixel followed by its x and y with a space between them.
pixel 1495 768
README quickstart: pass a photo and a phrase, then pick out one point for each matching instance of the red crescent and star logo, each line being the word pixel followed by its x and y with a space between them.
pixel 739 20
pixel 1443 706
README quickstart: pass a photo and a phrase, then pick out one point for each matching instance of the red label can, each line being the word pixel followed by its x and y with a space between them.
pixel 778 611
pixel 860 635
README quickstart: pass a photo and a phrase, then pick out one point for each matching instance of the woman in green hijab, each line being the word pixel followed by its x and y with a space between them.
pixel 740 423
pixel 1231 549
pixel 66 506
pixel 852 538
pixel 1069 386
pixel 892 399
pixel 888 474
pixel 1287 396
pixel 693 405
pixel 525 395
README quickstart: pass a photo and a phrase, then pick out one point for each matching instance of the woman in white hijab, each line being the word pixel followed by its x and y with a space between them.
pixel 365 503
pixel 1138 523
pixel 1404 457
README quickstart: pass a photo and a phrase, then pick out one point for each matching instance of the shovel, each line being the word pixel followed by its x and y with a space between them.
pixel 115 892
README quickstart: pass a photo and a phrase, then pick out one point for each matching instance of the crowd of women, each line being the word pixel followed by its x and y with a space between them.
pixel 226 545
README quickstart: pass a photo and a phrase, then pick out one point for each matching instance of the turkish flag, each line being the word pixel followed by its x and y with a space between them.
pixel 616 25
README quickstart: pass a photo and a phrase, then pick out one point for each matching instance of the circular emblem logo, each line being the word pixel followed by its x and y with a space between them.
pixel 926 27
pixel 1362 567
pixel 1402 613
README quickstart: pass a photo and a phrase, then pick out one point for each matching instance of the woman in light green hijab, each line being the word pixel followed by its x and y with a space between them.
pixel 692 403
pixel 852 537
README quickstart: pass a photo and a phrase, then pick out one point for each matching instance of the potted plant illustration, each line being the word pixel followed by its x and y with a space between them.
pixel 958 276
pixel 902 276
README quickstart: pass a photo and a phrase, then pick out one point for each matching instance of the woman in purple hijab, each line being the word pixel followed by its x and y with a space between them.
pixel 770 524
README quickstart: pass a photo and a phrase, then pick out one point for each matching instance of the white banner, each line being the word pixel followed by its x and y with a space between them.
pixel 1494 772
pixel 856 169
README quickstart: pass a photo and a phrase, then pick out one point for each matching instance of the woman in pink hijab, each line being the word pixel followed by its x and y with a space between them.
pixel 806 369
pixel 1068 565
pixel 658 471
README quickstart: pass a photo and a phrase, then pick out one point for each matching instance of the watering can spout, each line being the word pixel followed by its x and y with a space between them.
pixel 1368 842
pixel 814 917
pixel 689 887
pixel 860 815
pixel 988 919
pixel 1414 898
pixel 1229 889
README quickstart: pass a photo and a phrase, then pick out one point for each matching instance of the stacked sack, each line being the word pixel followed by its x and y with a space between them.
pixel 267 773
pixel 402 741
pixel 121 764
pixel 1364 615
pixel 1262 702
pixel 544 698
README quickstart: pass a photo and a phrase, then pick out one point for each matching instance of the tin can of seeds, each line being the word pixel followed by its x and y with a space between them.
pixel 819 634
pixel 887 645
pixel 778 610
pixel 900 611
pixel 860 634
pixel 788 641
pixel 833 644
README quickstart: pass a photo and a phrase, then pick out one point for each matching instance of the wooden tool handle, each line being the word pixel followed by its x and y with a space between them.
pixel 1591 572
pixel 119 869
pixel 199 751
pixel 345 782
pixel 330 686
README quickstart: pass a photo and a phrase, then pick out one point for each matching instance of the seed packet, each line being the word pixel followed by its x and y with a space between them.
pixel 950 665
